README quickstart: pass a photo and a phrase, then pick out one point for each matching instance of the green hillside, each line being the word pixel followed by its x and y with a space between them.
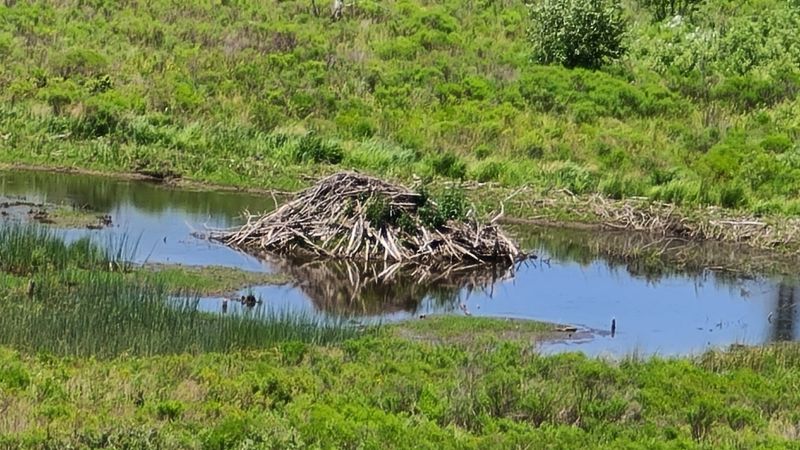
pixel 701 108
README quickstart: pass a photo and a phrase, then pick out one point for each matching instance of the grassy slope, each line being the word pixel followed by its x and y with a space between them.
pixel 386 392
pixel 259 94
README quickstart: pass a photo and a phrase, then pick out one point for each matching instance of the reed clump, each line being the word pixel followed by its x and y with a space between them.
pixel 354 216
pixel 80 298
pixel 26 249
pixel 100 314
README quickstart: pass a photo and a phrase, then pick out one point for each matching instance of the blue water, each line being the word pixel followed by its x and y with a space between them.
pixel 673 314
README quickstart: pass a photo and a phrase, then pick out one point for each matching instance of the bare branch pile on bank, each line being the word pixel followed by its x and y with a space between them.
pixel 354 216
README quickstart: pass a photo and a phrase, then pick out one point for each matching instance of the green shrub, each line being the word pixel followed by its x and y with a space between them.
pixel 451 205
pixel 6 44
pixel 13 376
pixel 701 418
pixel 724 160
pixel 229 433
pixel 482 151
pixel 751 91
pixel 169 410
pixel 293 352
pixel 447 165
pixel 59 95
pixel 777 143
pixel 80 61
pixel 577 33
pixel 739 417
pixel 378 212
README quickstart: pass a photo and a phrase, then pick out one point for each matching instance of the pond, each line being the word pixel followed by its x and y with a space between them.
pixel 658 309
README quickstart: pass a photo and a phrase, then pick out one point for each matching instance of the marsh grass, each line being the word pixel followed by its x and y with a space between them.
pixel 25 249
pixel 100 314
pixel 85 300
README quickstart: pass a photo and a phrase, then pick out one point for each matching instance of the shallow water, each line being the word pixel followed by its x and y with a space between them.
pixel 158 220
pixel 664 311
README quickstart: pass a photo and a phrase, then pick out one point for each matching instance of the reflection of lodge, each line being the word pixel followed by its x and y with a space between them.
pixel 346 287
pixel 785 314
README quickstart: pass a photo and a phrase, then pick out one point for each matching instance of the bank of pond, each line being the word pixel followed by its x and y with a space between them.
pixel 106 345
pixel 666 296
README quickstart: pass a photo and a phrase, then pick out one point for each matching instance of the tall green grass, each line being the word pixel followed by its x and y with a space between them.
pixel 26 249
pixel 82 305
pixel 405 89
pixel 100 314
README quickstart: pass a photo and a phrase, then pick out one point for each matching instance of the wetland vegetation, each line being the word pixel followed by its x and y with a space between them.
pixel 691 106
pixel 98 357
pixel 81 299
pixel 668 113
pixel 378 391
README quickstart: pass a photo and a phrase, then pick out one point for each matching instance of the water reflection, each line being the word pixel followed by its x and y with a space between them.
pixel 379 288
pixel 784 318
pixel 159 219
pixel 653 257
pixel 105 194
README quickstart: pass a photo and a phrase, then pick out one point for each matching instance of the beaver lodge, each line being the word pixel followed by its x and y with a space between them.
pixel 353 216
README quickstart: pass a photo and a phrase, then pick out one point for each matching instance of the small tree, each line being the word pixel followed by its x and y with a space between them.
pixel 577 33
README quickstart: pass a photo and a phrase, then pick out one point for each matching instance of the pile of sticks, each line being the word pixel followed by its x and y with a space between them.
pixel 711 223
pixel 336 218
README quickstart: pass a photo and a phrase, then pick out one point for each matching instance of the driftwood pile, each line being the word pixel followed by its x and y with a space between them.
pixel 357 217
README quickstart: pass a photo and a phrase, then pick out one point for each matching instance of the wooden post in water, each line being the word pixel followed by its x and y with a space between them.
pixel 613 327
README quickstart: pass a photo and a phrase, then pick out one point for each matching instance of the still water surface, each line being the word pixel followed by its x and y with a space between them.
pixel 666 312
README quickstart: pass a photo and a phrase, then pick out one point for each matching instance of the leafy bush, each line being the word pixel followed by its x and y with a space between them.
pixel 448 165
pixel 230 432
pixel 451 205
pixel 13 376
pixel 577 33
pixel 59 95
pixel 169 410
pixel 702 417
pixel 777 143
pixel 80 61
